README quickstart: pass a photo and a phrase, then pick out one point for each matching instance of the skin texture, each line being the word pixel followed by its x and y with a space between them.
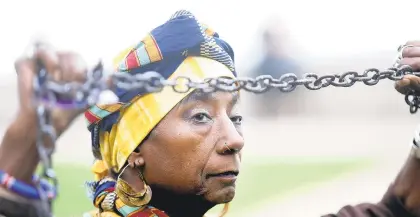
pixel 201 136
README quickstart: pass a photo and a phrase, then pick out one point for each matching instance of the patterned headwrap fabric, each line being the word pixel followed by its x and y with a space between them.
pixel 180 47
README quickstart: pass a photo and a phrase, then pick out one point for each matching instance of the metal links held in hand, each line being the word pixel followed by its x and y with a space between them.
pixel 46 133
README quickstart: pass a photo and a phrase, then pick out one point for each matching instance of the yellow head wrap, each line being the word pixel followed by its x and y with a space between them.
pixel 144 114
pixel 180 47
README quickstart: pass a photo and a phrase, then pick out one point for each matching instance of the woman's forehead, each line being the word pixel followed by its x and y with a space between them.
pixel 198 95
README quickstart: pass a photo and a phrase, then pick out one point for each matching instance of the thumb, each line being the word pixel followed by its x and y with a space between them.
pixel 46 57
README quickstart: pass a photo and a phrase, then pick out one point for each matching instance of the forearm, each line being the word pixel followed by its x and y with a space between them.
pixel 24 129
pixel 406 187
pixel 18 154
pixel 18 151
pixel 401 200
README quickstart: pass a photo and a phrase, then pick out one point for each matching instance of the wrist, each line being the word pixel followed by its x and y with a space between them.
pixel 407 184
pixel 62 119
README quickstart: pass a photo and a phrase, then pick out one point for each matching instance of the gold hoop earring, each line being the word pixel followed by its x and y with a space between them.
pixel 225 210
pixel 129 196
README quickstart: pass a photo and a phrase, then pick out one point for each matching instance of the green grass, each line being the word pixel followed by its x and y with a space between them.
pixel 261 183
pixel 257 183
pixel 72 200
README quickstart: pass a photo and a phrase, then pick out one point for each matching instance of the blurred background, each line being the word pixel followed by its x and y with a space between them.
pixel 308 153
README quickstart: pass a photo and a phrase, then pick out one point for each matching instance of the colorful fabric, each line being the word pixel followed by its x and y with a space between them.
pixel 180 47
pixel 28 191
pixel 106 186
pixel 146 212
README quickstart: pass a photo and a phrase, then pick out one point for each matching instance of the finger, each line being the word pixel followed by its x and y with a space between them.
pixel 25 69
pixel 414 82
pixel 413 42
pixel 402 49
pixel 411 52
pixel 408 83
pixel 414 62
pixel 402 86
pixel 24 65
pixel 73 67
pixel 48 57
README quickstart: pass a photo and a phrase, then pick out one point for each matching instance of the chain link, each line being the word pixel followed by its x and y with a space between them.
pixel 412 98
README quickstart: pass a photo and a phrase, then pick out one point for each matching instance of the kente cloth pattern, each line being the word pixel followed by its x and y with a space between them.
pixel 180 47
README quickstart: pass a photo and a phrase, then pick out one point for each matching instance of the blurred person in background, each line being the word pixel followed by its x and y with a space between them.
pixel 185 148
pixel 277 61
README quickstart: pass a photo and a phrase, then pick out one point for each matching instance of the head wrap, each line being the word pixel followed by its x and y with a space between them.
pixel 180 47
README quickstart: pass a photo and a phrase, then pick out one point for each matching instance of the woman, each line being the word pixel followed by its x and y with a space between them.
pixel 171 154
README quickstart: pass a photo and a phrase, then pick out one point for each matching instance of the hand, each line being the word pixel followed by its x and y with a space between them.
pixel 61 66
pixel 410 56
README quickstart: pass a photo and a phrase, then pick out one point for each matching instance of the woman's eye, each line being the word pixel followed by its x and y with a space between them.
pixel 201 118
pixel 236 119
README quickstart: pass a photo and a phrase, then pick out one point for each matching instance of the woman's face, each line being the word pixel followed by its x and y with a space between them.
pixel 196 148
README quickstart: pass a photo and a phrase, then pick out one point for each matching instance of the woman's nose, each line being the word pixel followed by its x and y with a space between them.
pixel 231 141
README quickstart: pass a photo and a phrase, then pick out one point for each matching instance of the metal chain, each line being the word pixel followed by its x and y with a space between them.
pixel 412 98
pixel 46 132
pixel 84 94
pixel 49 94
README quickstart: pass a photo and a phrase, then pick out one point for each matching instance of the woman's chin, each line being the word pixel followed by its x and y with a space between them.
pixel 220 196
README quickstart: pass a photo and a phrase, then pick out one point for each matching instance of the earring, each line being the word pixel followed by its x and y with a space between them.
pixel 129 196
pixel 225 210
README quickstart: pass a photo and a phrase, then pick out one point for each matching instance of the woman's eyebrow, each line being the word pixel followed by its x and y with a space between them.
pixel 205 97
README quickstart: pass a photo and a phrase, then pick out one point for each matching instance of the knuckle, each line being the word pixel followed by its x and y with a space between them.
pixel 21 61
pixel 397 85
pixel 408 51
pixel 405 61
pixel 412 62
pixel 411 52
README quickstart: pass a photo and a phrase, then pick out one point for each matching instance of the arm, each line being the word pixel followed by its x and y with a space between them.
pixel 401 200
pixel 403 196
pixel 18 154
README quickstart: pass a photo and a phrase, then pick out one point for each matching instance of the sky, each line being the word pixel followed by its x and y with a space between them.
pixel 100 29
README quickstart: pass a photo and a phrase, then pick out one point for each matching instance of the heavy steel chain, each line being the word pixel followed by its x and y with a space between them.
pixel 73 95
pixel 84 94
pixel 46 133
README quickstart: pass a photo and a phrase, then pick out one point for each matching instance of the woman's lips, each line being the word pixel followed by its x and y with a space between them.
pixel 226 176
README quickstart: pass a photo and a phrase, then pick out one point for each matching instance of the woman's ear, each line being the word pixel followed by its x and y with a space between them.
pixel 135 159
